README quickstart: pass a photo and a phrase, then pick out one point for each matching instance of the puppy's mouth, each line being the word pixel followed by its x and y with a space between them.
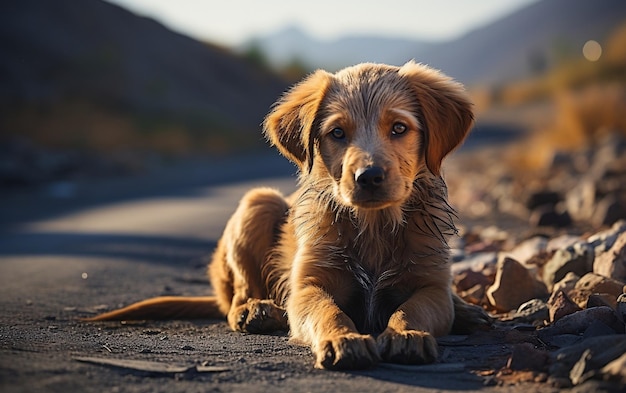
pixel 371 205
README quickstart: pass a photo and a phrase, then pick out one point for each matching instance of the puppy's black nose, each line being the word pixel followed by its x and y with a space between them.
pixel 370 178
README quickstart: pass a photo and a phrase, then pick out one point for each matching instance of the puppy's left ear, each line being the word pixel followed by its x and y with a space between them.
pixel 446 108
pixel 289 125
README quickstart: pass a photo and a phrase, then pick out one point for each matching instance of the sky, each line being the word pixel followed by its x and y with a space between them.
pixel 232 22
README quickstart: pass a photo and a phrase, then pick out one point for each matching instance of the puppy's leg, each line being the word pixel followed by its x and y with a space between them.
pixel 235 271
pixel 315 318
pixel 410 333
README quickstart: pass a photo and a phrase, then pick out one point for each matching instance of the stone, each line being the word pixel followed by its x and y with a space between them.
pixel 604 240
pixel 593 359
pixel 615 370
pixel 513 285
pixel 601 299
pixel 597 329
pixel 543 198
pixel 608 210
pixel 469 278
pixel 483 263
pixel 534 311
pixel 526 357
pixel 562 241
pixel 592 283
pixel 577 258
pixel 473 295
pixel 620 308
pixel 550 216
pixel 578 322
pixel 567 284
pixel 612 263
pixel 564 360
pixel 527 249
pixel 561 305
pixel 580 200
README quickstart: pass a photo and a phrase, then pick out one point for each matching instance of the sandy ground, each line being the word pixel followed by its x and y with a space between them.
pixel 118 241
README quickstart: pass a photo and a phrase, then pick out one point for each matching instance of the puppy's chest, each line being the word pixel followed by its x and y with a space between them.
pixel 378 286
pixel 374 297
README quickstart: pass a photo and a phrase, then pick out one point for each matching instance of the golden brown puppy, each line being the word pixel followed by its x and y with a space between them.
pixel 357 257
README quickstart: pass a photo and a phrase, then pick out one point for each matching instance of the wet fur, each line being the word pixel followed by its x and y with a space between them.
pixel 363 274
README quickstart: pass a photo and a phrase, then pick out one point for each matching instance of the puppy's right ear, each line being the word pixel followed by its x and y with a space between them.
pixel 289 125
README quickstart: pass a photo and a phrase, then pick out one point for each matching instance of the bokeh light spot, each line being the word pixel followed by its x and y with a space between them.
pixel 592 50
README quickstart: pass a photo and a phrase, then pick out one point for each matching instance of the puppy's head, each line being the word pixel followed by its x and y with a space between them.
pixel 370 129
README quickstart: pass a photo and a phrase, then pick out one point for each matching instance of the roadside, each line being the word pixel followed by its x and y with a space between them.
pixel 135 238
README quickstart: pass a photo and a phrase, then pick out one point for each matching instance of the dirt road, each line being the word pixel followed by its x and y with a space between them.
pixel 118 241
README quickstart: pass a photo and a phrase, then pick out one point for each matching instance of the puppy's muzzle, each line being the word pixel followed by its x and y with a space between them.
pixel 370 178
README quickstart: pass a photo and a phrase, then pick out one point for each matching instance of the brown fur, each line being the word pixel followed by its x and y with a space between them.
pixel 359 264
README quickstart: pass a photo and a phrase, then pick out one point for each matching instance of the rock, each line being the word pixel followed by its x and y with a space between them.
pixel 597 329
pixel 564 359
pixel 534 311
pixel 577 258
pixel 604 240
pixel 592 283
pixel 543 198
pixel 550 216
pixel 526 357
pixel 593 359
pixel 615 370
pixel 578 322
pixel 527 249
pixel 473 295
pixel 561 305
pixel 580 200
pixel 609 210
pixel 612 263
pixel 601 299
pixel 620 308
pixel 480 262
pixel 513 285
pixel 567 284
pixel 469 278
pixel 562 241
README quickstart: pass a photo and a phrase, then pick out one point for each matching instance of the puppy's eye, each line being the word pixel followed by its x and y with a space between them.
pixel 338 133
pixel 398 128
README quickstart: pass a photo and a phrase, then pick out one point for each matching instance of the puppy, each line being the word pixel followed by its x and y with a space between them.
pixel 357 258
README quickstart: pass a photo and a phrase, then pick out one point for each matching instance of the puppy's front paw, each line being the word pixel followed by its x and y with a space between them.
pixel 348 351
pixel 407 346
pixel 258 316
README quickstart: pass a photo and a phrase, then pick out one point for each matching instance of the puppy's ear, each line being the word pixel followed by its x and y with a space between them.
pixel 446 108
pixel 289 125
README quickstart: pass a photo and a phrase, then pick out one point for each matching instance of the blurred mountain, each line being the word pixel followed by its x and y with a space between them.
pixel 524 43
pixel 90 53
pixel 293 44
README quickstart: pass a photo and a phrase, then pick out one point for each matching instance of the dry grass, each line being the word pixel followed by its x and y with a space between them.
pixel 581 119
pixel 589 101
pixel 81 125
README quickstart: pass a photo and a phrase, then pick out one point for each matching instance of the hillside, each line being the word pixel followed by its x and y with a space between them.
pixel 65 59
pixel 516 46
pixel 292 43
pixel 533 38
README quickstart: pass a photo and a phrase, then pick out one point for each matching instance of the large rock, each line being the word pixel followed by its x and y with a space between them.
pixel 592 283
pixel 577 258
pixel 580 200
pixel 612 263
pixel 604 240
pixel 527 249
pixel 561 305
pixel 514 285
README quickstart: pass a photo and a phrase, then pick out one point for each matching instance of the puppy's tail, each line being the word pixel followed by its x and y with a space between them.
pixel 165 307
